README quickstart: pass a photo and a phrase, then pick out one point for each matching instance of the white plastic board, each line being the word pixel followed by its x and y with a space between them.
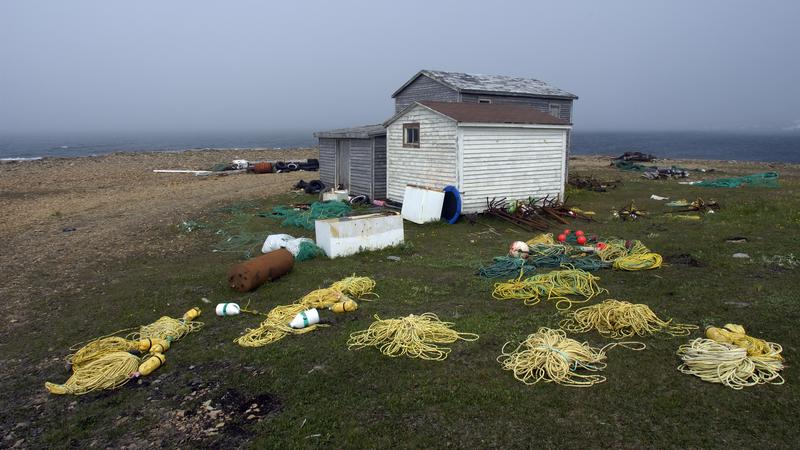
pixel 350 235
pixel 421 205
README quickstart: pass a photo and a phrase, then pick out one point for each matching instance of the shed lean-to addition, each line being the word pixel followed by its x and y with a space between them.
pixel 485 150
pixel 355 159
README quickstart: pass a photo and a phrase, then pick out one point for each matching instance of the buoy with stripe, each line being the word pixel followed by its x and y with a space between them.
pixel 227 309
pixel 305 318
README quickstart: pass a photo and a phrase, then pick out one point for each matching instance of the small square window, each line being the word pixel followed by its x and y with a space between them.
pixel 411 134
pixel 555 110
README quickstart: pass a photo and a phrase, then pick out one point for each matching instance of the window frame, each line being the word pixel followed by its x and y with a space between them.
pixel 485 100
pixel 557 107
pixel 408 126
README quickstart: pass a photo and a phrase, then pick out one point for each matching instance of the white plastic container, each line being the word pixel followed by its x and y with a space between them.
pixel 305 318
pixel 227 309
pixel 350 235
pixel 422 205
pixel 335 195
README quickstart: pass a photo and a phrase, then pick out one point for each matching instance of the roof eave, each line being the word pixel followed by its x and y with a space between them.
pixel 519 94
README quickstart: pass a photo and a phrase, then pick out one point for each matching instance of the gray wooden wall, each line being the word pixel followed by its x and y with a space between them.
pixel 327 163
pixel 423 88
pixel 361 167
pixel 542 104
pixel 379 167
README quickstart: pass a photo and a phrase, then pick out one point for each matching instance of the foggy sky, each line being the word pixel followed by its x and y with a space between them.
pixel 258 65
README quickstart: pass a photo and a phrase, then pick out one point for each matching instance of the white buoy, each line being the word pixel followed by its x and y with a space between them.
pixel 228 309
pixel 305 318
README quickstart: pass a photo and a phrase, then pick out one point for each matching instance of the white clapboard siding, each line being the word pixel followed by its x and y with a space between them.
pixel 510 162
pixel 432 164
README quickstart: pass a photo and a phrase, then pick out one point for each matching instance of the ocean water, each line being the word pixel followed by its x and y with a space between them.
pixel 778 146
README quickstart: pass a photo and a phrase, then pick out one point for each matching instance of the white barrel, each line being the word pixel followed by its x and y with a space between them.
pixel 305 318
pixel 228 309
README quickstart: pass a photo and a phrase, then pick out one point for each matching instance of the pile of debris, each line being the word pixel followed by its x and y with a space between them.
pixel 591 183
pixel 635 156
pixel 533 214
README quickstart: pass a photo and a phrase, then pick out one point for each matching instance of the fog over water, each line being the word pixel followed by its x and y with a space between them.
pixel 206 66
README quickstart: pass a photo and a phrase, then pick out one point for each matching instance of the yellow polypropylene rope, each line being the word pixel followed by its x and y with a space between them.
pixel 736 335
pixel 109 371
pixel 620 319
pixel 413 336
pixel 550 356
pixel 553 286
pixel 166 328
pixel 542 239
pixel 276 326
pixel 729 364
pixel 629 256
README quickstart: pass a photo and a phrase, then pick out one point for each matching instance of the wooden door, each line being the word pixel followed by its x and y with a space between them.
pixel 343 163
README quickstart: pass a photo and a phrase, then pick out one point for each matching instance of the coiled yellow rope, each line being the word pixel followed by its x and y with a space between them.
pixel 109 371
pixel 550 356
pixel 542 239
pixel 620 319
pixel 553 286
pixel 633 255
pixel 729 364
pixel 106 362
pixel 413 336
pixel 276 326
pixel 736 335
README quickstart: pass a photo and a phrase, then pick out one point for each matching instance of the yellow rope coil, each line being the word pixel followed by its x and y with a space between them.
pixel 550 356
pixel 166 328
pixel 276 326
pixel 729 364
pixel 108 371
pixel 413 336
pixel 736 335
pixel 620 319
pixel 552 286
pixel 542 239
pixel 633 255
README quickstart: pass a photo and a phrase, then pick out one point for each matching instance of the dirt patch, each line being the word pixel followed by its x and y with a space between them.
pixel 117 207
pixel 683 259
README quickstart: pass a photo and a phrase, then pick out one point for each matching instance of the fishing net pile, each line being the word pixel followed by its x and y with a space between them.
pixel 304 218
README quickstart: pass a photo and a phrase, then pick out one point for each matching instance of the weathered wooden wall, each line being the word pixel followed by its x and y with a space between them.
pixel 542 104
pixel 327 161
pixel 510 162
pixel 379 167
pixel 432 164
pixel 424 88
pixel 361 167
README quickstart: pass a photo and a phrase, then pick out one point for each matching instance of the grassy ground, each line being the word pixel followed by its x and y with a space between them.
pixel 310 391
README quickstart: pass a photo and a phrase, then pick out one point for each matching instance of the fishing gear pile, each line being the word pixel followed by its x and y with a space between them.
pixel 550 356
pixel 276 326
pixel 730 357
pixel 109 362
pixel 305 215
pixel 620 319
pixel 413 336
pixel 766 179
pixel 551 286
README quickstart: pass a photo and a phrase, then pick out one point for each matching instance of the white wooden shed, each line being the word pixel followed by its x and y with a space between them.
pixel 485 150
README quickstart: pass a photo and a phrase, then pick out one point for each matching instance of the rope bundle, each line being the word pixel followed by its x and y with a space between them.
pixel 276 326
pixel 107 362
pixel 413 336
pixel 629 255
pixel 729 364
pixel 553 286
pixel 619 319
pixel 550 356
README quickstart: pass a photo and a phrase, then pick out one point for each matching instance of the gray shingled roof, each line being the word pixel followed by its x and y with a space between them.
pixel 362 132
pixel 494 84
